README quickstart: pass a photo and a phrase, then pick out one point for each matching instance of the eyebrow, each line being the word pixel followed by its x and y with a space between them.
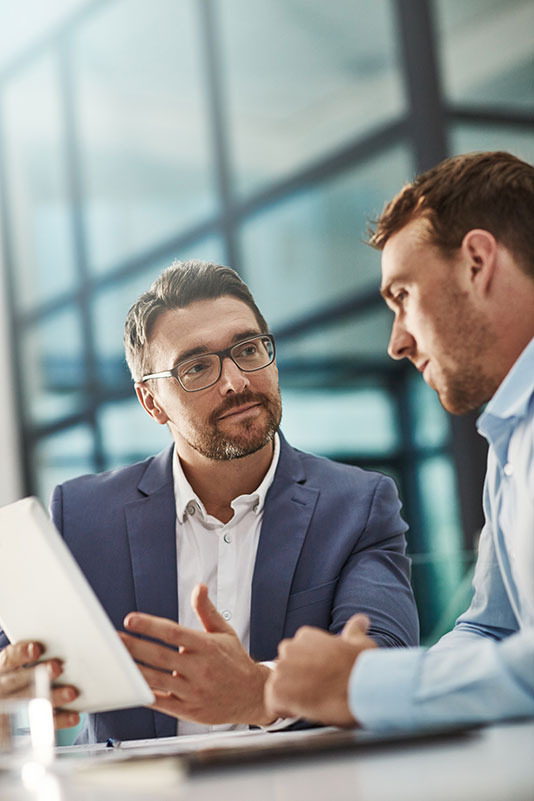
pixel 203 349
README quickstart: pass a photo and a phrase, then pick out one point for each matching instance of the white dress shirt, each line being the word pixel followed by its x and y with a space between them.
pixel 220 555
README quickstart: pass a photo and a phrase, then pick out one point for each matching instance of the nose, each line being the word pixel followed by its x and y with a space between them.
pixel 232 378
pixel 401 342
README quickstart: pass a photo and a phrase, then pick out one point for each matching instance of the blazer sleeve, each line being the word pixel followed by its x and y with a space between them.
pixel 375 579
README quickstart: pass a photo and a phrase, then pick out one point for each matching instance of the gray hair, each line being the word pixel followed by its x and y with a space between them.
pixel 179 285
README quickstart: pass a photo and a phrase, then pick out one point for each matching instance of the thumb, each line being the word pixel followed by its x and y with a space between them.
pixel 355 627
pixel 207 613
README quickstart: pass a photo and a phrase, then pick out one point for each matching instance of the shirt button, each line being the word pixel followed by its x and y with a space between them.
pixel 508 469
pixel 226 614
pixel 256 507
pixel 227 538
pixel 191 508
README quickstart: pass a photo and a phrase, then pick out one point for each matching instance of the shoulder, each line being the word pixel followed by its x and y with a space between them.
pixel 122 482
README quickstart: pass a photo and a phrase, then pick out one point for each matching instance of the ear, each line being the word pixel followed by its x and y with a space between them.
pixel 479 248
pixel 150 404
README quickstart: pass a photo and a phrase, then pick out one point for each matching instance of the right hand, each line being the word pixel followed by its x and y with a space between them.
pixel 15 662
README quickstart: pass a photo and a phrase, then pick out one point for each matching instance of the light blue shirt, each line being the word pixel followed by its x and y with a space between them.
pixel 483 670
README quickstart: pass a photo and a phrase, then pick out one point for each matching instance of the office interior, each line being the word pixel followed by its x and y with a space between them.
pixel 262 134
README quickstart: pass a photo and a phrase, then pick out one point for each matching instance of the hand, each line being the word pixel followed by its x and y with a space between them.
pixel 16 661
pixel 203 676
pixel 312 673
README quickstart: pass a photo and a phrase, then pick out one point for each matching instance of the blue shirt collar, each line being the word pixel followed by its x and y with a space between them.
pixel 513 395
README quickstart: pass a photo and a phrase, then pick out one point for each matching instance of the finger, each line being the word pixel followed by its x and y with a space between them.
pixel 163 682
pixel 150 653
pixel 207 613
pixel 18 654
pixel 15 682
pixel 161 628
pixel 63 694
pixel 167 703
pixel 355 627
pixel 64 719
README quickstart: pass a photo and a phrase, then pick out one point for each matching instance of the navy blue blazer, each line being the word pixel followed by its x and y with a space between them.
pixel 331 544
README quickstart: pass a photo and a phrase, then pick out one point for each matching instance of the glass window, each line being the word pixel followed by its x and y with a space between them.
pixel 431 428
pixel 146 161
pixel 129 434
pixel 487 51
pixel 61 457
pixel 303 78
pixel 466 138
pixel 38 205
pixel 111 305
pixel 307 251
pixel 53 367
pixel 340 422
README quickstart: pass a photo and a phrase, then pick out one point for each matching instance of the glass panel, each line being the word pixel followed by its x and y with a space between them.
pixel 344 422
pixel 431 421
pixel 129 434
pixel 466 138
pixel 38 202
pixel 307 251
pixel 53 369
pixel 443 564
pixel 61 457
pixel 487 51
pixel 304 77
pixel 359 342
pixel 111 305
pixel 143 126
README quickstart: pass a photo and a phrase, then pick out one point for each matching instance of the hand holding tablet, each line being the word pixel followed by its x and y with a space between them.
pixel 45 598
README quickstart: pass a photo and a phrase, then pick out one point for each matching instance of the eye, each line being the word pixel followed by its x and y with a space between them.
pixel 194 368
pixel 400 297
pixel 249 349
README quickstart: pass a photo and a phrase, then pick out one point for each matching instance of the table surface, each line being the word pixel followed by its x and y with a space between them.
pixel 494 764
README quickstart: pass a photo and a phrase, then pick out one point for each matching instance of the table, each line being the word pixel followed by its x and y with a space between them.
pixel 495 764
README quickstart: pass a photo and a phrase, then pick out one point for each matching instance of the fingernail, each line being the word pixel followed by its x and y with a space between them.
pixel 33 650
pixel 68 694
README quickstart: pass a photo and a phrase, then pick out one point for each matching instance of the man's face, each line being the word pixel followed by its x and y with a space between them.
pixel 241 412
pixel 438 324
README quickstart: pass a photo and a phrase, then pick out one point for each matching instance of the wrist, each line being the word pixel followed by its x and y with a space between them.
pixel 258 714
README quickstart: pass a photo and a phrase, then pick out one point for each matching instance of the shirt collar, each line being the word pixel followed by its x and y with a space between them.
pixel 185 495
pixel 514 393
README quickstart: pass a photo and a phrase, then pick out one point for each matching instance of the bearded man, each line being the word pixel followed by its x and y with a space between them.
pixel 275 537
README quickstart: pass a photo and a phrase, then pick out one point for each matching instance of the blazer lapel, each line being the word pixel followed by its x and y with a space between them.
pixel 151 529
pixel 287 513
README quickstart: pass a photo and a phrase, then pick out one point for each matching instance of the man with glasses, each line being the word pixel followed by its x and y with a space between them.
pixel 276 538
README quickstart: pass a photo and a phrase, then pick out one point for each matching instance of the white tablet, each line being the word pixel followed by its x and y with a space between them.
pixel 44 596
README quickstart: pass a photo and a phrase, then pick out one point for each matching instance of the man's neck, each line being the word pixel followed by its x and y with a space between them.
pixel 218 483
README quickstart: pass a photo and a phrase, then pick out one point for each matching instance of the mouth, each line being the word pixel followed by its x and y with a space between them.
pixel 422 367
pixel 240 410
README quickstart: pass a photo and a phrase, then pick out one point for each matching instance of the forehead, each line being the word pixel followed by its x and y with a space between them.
pixel 406 253
pixel 210 324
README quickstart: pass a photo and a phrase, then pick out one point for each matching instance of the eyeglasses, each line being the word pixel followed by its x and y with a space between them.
pixel 204 370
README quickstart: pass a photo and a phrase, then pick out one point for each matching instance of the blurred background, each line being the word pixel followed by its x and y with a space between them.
pixel 261 134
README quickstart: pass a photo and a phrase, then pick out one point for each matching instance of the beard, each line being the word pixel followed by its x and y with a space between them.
pixel 465 383
pixel 254 434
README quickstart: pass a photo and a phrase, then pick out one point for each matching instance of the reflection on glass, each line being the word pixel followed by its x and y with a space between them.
pixel 129 434
pixel 111 305
pixel 303 78
pixel 62 456
pixel 487 51
pixel 340 423
pixel 143 125
pixel 53 369
pixel 307 251
pixel 36 185
pixel 466 138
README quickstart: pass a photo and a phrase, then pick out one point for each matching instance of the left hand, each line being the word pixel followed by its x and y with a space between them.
pixel 202 676
pixel 312 672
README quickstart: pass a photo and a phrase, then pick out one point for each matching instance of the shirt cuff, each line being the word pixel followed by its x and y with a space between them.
pixel 382 687
pixel 280 723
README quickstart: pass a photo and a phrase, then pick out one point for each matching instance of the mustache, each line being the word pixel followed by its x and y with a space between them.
pixel 233 401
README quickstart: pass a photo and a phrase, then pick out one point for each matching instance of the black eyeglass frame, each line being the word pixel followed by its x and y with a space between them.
pixel 221 354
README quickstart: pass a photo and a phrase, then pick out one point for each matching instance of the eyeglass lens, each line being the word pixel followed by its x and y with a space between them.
pixel 200 372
